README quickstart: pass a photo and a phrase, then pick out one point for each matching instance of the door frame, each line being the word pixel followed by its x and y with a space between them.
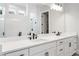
pixel 48 18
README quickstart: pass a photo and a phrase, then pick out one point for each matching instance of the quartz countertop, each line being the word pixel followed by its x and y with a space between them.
pixel 8 46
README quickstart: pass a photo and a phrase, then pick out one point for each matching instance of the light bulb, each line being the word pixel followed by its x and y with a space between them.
pixel 56 7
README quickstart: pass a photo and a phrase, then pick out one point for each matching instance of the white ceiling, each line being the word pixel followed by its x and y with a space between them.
pixel 24 4
pixel 20 4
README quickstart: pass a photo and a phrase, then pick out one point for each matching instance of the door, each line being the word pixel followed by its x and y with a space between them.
pixel 44 23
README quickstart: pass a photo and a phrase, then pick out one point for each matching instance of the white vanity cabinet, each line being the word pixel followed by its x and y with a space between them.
pixel 60 48
pixel 43 50
pixel 52 51
pixel 70 46
pixel 18 53
pixel 48 52
pixel 43 53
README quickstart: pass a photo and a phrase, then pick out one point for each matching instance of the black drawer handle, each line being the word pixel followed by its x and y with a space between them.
pixel 61 42
pixel 20 34
pixel 46 54
pixel 70 44
pixel 3 33
pixel 61 49
pixel 22 55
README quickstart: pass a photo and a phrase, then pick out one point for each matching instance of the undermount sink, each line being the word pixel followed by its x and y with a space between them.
pixel 47 38
pixel 38 40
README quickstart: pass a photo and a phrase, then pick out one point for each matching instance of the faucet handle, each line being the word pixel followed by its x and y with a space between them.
pixel 20 34
pixel 29 34
pixel 3 33
pixel 30 38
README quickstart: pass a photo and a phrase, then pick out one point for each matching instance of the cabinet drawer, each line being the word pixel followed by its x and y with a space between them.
pixel 60 50
pixel 42 53
pixel 52 51
pixel 60 42
pixel 38 54
pixel 40 48
pixel 48 52
pixel 61 54
pixel 18 53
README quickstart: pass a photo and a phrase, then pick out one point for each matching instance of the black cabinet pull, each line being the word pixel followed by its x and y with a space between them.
pixel 70 44
pixel 20 34
pixel 61 42
pixel 61 49
pixel 22 55
pixel 3 33
pixel 46 54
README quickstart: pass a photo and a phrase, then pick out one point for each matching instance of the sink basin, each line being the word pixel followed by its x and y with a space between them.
pixel 38 40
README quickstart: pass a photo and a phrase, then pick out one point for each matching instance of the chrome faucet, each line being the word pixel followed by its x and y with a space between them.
pixel 58 33
pixel 29 34
pixel 32 36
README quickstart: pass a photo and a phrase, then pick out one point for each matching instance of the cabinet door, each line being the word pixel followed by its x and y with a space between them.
pixel 36 49
pixel 60 50
pixel 1 27
pixel 70 46
pixel 18 53
pixel 43 53
pixel 73 45
pixel 48 52
pixel 52 51
pixel 67 47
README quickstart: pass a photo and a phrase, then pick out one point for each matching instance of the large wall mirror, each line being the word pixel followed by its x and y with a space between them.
pixel 19 19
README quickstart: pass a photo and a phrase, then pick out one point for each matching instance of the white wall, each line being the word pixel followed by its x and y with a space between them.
pixel 72 18
pixel 56 21
pixel 66 21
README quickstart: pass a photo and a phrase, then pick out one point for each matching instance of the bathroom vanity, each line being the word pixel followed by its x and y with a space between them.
pixel 64 45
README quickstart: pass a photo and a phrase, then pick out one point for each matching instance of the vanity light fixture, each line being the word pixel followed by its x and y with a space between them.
pixel 20 12
pixel 56 7
pixel 2 10
pixel 1 19
pixel 12 9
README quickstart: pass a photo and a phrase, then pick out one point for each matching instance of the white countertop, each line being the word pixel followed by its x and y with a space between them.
pixel 8 46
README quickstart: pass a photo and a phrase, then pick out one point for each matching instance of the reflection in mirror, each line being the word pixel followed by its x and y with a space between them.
pixel 0 12
pixel 1 27
pixel 45 22
pixel 17 21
